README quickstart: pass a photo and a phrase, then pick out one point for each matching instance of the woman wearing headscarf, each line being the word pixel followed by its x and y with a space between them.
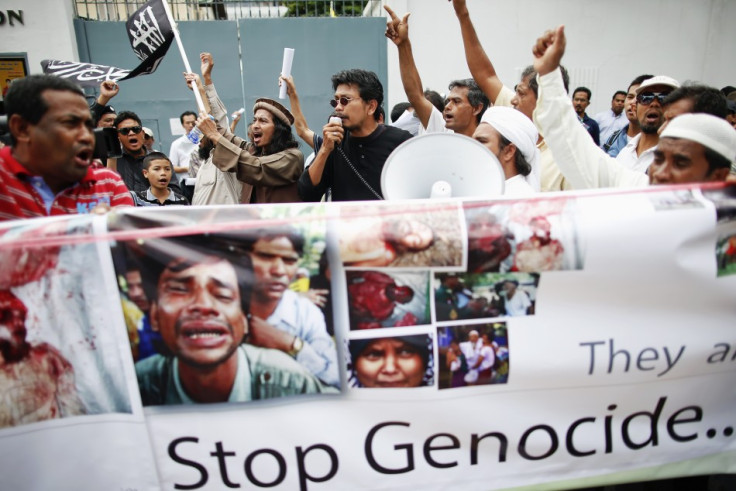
pixel 391 362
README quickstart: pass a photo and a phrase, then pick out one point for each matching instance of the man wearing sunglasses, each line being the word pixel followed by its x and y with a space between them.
pixel 130 165
pixel 639 151
pixel 692 148
pixel 350 160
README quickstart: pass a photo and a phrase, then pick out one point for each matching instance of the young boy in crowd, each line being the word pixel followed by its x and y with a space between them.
pixel 157 169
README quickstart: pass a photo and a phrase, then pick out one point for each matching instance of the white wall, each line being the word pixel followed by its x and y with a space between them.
pixel 608 42
pixel 47 32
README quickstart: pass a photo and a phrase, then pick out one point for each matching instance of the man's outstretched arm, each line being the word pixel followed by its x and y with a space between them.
pixel 478 62
pixel 397 30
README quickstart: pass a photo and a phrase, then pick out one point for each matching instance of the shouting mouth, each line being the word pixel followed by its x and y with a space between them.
pixel 83 158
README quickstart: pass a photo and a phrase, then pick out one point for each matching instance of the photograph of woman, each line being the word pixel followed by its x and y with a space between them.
pixel 391 362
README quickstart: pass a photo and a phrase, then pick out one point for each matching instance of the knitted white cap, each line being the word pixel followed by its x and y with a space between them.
pixel 710 131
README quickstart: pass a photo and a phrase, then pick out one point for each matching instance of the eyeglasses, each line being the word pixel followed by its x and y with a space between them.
pixel 130 129
pixel 341 100
pixel 646 98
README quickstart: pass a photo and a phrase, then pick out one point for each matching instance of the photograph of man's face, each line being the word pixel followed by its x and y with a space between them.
pixel 208 336
pixel 275 261
pixel 198 311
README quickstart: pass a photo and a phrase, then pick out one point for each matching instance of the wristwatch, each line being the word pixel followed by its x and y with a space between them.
pixel 296 346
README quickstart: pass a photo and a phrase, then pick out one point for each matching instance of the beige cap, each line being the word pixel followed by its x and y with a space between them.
pixel 658 80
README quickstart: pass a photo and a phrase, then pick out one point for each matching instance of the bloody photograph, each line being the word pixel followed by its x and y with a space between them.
pixel 419 236
pixel 58 356
pixel 525 236
pixel 387 299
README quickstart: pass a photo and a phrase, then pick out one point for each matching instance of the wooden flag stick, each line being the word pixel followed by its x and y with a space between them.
pixel 187 67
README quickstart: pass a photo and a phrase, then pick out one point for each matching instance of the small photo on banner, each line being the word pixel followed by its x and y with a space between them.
pixel 724 200
pixel 459 296
pixel 526 236
pixel 238 302
pixel 391 362
pixel 59 357
pixel 379 299
pixel 472 355
pixel 406 236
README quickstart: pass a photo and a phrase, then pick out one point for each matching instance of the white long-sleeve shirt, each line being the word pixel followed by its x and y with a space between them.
pixel 581 161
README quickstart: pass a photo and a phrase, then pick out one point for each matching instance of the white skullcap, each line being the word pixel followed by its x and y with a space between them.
pixel 710 131
pixel 519 130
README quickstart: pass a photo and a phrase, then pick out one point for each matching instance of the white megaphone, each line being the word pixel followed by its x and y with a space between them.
pixel 442 165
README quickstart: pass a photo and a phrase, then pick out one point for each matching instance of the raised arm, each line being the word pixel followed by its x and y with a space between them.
pixel 300 122
pixel 478 62
pixel 581 161
pixel 108 90
pixel 397 30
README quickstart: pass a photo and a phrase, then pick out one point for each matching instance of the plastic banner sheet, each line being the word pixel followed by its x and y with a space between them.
pixel 567 340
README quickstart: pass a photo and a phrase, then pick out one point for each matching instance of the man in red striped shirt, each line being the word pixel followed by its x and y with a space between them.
pixel 46 170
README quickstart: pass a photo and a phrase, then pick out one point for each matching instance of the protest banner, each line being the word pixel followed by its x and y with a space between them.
pixel 566 340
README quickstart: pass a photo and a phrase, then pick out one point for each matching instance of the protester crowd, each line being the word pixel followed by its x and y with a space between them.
pixel 658 131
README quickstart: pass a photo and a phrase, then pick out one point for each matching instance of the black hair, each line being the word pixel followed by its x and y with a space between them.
pixel 715 160
pixel 24 96
pixel 476 97
pixel 398 110
pixel 728 89
pixel 126 115
pixel 369 86
pixel 154 156
pixel 187 113
pixel 708 100
pixel 619 92
pixel 639 80
pixel 522 166
pixel 436 99
pixel 281 140
pixel 381 114
pixel 585 90
pixel 534 86
pixel 204 149
pixel 292 234
pixel 180 253
pixel 422 343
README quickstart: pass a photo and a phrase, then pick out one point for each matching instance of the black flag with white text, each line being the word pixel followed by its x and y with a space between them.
pixel 150 34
